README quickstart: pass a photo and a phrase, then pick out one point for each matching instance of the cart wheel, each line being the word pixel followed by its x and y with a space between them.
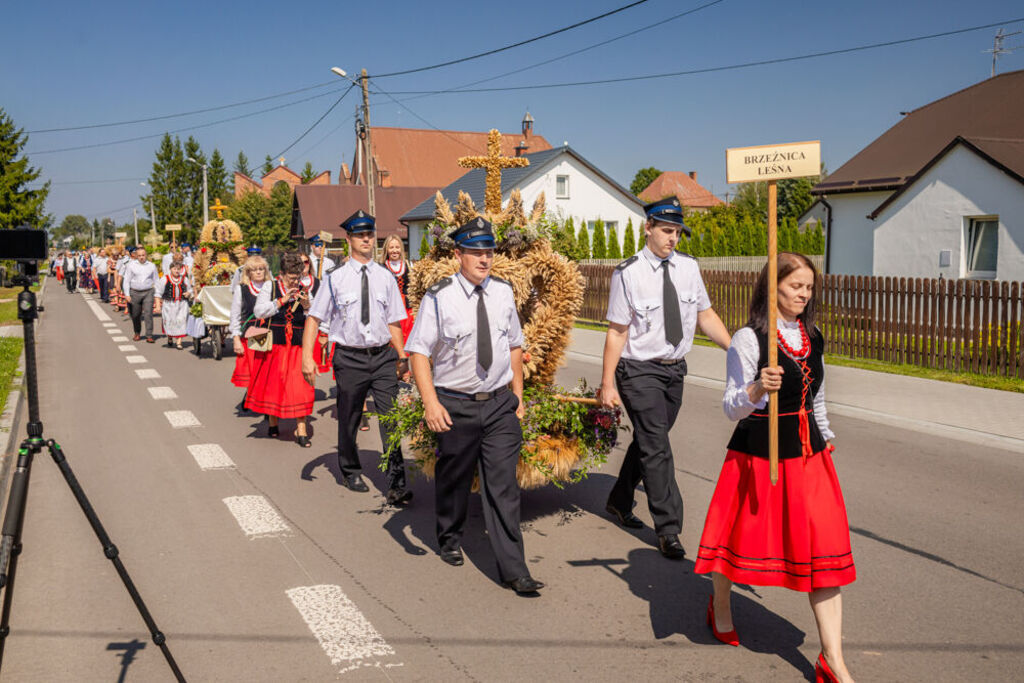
pixel 197 344
pixel 217 339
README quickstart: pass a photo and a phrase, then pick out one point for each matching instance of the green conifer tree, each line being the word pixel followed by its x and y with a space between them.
pixel 599 245
pixel 217 178
pixel 628 240
pixel 642 242
pixel 614 251
pixel 19 205
pixel 268 165
pixel 424 245
pixel 583 241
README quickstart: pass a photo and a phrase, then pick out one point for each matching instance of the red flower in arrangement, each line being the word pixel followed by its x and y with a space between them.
pixel 526 357
pixel 203 250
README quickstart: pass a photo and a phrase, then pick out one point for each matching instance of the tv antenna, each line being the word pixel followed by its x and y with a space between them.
pixel 997 47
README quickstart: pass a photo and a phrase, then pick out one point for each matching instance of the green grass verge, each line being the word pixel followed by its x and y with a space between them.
pixel 971 379
pixel 10 351
pixel 9 309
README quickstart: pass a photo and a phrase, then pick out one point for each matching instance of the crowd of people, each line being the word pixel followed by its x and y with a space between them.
pixel 464 351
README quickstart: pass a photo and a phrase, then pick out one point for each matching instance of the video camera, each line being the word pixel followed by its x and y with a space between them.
pixel 26 246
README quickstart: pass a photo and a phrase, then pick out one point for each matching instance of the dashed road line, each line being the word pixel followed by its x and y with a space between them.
pixel 110 324
pixel 113 330
pixel 119 339
pixel 257 516
pixel 147 373
pixel 347 637
pixel 210 456
pixel 96 310
pixel 135 359
pixel 182 418
pixel 162 393
pixel 127 347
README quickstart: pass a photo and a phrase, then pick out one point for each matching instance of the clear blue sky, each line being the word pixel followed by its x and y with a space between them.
pixel 71 63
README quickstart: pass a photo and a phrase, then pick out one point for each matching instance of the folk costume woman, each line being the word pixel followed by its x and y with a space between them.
pixel 255 276
pixel 794 534
pixel 311 285
pixel 173 294
pixel 393 258
pixel 278 389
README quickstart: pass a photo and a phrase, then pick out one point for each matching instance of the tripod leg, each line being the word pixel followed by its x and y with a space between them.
pixel 14 521
pixel 111 553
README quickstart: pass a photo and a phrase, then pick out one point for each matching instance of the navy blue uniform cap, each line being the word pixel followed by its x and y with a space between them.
pixel 360 221
pixel 667 210
pixel 476 234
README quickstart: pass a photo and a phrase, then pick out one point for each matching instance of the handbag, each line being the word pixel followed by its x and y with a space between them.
pixel 259 339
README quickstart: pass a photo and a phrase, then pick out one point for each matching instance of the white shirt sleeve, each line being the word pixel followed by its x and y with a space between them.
pixel 618 306
pixel 423 336
pixel 821 414
pixel 158 290
pixel 127 284
pixel 235 324
pixel 322 307
pixel 741 372
pixel 265 307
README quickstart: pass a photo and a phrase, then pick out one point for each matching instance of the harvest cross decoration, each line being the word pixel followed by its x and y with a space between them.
pixel 218 207
pixel 493 162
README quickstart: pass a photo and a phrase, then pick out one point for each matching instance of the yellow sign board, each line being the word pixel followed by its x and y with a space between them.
pixel 172 227
pixel 773 162
pixel 120 235
pixel 326 237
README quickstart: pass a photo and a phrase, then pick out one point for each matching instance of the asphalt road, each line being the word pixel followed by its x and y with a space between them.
pixel 263 568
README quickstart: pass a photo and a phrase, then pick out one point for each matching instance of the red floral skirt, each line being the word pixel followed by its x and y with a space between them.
pixel 243 362
pixel 277 386
pixel 794 534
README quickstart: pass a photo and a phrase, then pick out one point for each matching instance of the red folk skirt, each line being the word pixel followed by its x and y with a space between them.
pixel 277 386
pixel 243 362
pixel 794 534
pixel 407 325
pixel 328 364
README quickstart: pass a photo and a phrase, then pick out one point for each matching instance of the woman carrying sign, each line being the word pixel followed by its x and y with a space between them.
pixel 793 534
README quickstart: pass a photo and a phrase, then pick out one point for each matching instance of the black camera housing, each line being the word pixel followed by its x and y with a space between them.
pixel 23 244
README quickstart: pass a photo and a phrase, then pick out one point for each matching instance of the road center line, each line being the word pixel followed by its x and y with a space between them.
pixel 119 339
pixel 182 418
pixel 147 373
pixel 113 330
pixel 127 347
pixel 347 637
pixel 210 456
pixel 162 393
pixel 110 324
pixel 257 516
pixel 135 359
pixel 97 311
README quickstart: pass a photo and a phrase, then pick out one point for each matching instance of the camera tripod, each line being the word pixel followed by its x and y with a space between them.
pixel 10 542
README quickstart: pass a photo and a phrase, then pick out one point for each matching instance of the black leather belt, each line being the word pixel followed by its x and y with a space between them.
pixel 368 350
pixel 480 396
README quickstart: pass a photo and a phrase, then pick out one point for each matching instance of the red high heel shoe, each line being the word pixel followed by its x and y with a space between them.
pixel 729 637
pixel 822 672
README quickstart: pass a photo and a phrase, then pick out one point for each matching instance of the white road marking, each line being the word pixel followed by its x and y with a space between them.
pixel 96 310
pixel 110 324
pixel 182 418
pixel 347 637
pixel 127 347
pixel 257 516
pixel 147 373
pixel 162 393
pixel 119 339
pixel 210 456
pixel 113 331
pixel 135 359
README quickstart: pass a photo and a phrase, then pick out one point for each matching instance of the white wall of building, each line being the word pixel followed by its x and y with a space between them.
pixel 852 242
pixel 590 197
pixel 931 215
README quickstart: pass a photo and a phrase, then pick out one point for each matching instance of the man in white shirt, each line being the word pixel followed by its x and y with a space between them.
pixel 165 262
pixel 320 264
pixel 140 277
pixel 100 270
pixel 186 254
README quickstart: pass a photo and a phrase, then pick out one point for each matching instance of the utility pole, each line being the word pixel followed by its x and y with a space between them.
pixel 368 144
pixel 135 217
pixel 206 199
pixel 997 47
pixel 152 216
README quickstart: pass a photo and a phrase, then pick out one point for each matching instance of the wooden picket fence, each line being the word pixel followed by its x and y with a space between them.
pixel 960 325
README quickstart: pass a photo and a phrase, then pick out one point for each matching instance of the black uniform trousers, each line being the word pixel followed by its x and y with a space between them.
pixel 651 394
pixel 71 279
pixel 357 373
pixel 488 434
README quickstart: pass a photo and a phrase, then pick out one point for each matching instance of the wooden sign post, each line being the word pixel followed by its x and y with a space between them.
pixel 771 163
pixel 119 238
pixel 172 228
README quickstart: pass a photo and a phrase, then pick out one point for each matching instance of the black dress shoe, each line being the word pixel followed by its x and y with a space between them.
pixel 524 585
pixel 626 519
pixel 397 496
pixel 273 432
pixel 453 557
pixel 670 547
pixel 355 483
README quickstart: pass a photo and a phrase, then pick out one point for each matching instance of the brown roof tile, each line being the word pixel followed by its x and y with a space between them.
pixel 690 193
pixel 423 158
pixel 989 109
pixel 324 207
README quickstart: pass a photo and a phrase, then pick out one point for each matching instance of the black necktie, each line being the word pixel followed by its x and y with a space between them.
pixel 364 314
pixel 670 300
pixel 483 331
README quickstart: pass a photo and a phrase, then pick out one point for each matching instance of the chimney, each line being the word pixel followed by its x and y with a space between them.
pixel 693 176
pixel 527 129
pixel 345 177
pixel 521 148
pixel 385 178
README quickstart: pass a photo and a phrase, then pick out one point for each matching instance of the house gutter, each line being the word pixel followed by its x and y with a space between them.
pixel 828 233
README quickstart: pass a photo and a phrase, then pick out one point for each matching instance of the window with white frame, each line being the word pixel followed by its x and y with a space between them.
pixel 981 247
pixel 561 187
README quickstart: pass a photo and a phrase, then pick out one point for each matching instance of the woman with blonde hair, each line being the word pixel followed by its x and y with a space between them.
pixel 392 257
pixel 255 274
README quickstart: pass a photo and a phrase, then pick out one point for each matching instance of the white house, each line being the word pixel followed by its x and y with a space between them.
pixel 939 193
pixel 572 186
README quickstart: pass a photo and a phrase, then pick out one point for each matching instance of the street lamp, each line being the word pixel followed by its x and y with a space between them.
pixel 367 146
pixel 152 214
pixel 206 200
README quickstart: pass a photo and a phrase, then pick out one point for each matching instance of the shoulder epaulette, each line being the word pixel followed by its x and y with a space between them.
pixel 437 287
pixel 334 268
pixel 501 280
pixel 628 262
pixel 683 253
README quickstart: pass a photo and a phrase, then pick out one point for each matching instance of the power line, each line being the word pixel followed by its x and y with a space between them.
pixel 446 133
pixel 575 52
pixel 513 45
pixel 325 137
pixel 94 182
pixel 184 113
pixel 730 67
pixel 182 130
pixel 317 122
